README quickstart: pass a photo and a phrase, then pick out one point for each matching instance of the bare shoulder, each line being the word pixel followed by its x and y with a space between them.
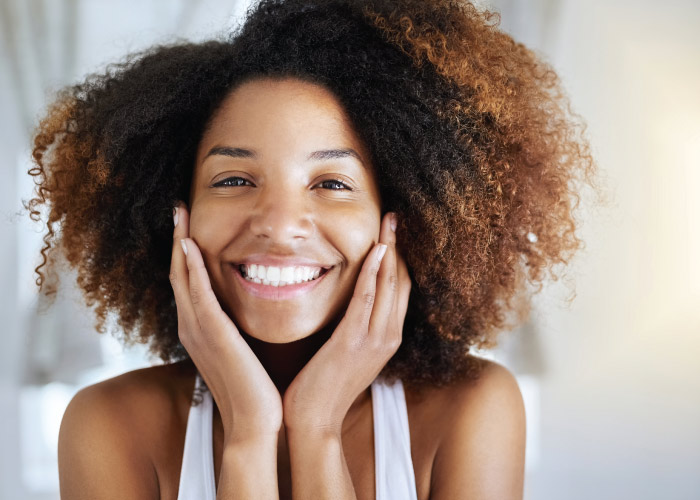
pixel 481 450
pixel 494 390
pixel 134 399
pixel 110 431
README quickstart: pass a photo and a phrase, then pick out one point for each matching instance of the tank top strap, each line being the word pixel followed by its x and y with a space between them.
pixel 394 475
pixel 197 480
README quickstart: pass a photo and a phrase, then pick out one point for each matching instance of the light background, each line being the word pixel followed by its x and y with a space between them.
pixel 611 381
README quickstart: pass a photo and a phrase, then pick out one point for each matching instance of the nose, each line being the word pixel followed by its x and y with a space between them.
pixel 282 215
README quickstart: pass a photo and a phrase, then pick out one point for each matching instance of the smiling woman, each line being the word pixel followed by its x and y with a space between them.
pixel 312 223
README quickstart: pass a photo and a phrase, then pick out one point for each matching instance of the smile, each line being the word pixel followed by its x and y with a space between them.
pixel 280 276
pixel 278 283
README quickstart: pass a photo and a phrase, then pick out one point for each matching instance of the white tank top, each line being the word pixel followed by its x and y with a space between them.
pixel 395 479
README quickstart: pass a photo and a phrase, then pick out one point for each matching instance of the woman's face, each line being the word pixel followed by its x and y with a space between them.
pixel 282 181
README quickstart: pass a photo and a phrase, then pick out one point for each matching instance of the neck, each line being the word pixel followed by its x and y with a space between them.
pixel 284 361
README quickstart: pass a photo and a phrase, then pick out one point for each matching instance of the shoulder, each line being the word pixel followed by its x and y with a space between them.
pixel 495 390
pixel 481 450
pixel 109 431
pixel 131 400
pixel 146 386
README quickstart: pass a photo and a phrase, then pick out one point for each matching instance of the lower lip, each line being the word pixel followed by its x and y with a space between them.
pixel 277 292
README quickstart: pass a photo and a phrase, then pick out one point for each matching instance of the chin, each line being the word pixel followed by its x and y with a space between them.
pixel 280 331
pixel 281 337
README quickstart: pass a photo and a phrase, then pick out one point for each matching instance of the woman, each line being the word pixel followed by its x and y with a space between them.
pixel 311 223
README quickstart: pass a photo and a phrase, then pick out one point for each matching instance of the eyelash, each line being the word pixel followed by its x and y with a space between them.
pixel 221 183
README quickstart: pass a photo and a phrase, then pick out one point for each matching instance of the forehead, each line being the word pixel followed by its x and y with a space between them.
pixel 289 113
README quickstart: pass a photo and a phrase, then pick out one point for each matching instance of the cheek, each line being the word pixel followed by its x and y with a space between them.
pixel 357 238
pixel 206 223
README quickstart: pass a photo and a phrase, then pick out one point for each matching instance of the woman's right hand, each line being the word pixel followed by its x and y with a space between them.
pixel 249 403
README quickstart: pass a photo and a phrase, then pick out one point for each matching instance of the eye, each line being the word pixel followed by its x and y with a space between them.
pixel 231 182
pixel 337 185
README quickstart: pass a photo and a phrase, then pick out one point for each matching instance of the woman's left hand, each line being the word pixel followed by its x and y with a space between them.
pixel 368 335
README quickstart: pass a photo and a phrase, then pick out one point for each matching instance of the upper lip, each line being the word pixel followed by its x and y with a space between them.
pixel 279 261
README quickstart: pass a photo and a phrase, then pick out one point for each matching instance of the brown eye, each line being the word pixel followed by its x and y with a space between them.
pixel 232 182
pixel 336 185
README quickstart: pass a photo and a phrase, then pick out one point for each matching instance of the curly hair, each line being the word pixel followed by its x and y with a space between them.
pixel 473 140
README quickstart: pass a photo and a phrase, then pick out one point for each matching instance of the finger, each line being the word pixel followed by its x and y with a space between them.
pixel 179 278
pixel 404 293
pixel 387 284
pixel 212 319
pixel 360 308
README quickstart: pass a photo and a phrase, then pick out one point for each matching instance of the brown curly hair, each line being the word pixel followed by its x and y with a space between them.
pixel 474 143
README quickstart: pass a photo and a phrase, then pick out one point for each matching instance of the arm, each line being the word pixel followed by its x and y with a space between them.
pixel 319 469
pixel 97 457
pixel 482 454
pixel 249 470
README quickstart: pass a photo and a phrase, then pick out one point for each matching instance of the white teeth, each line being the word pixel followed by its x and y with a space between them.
pixel 273 274
pixel 276 276
pixel 287 274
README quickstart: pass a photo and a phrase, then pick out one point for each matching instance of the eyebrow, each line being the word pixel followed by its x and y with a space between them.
pixel 325 154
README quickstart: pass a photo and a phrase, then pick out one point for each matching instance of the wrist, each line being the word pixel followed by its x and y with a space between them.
pixel 312 434
pixel 312 427
pixel 249 468
pixel 247 442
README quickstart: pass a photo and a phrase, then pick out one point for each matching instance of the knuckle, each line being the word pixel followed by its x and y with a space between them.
pixel 173 278
pixel 393 282
pixel 197 294
pixel 368 299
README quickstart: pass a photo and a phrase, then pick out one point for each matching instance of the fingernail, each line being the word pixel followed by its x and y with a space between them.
pixel 381 252
pixel 394 222
pixel 184 246
pixel 175 216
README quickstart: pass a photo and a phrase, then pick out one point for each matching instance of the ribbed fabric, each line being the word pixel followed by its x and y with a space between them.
pixel 395 479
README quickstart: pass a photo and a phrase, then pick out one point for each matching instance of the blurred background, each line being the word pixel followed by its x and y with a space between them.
pixel 611 381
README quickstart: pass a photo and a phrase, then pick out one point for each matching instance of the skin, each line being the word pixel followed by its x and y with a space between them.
pixel 290 378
